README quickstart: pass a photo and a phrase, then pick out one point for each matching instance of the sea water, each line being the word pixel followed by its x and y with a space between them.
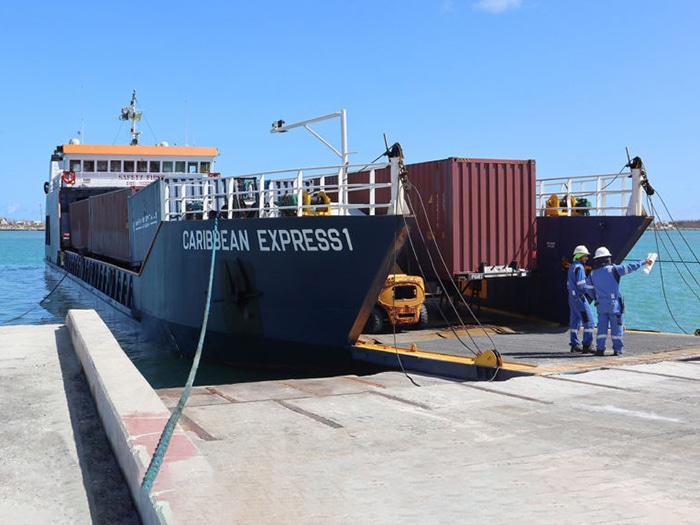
pixel 668 298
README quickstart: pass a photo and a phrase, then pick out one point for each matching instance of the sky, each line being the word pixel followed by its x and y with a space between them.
pixel 570 84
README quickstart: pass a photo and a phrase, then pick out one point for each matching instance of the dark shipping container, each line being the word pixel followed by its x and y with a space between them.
pixel 80 224
pixel 109 225
pixel 144 216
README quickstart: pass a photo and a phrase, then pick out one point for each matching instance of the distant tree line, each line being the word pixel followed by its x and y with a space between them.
pixel 676 225
pixel 686 225
pixel 10 224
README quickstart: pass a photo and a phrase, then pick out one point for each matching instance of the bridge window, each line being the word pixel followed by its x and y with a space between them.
pixel 101 165
pixel 115 166
pixel 141 166
pixel 74 165
pixel 191 167
pixel 204 167
pixel 179 166
pixel 89 165
pixel 167 166
pixel 155 166
pixel 128 166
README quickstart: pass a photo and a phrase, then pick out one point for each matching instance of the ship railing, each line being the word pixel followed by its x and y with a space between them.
pixel 598 195
pixel 326 190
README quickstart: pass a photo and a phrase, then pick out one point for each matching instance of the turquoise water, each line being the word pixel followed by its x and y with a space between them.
pixel 21 282
pixel 666 300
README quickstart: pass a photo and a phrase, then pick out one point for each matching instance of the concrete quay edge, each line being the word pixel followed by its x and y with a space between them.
pixel 134 417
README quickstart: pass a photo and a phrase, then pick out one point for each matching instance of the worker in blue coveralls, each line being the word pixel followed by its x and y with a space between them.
pixel 580 295
pixel 606 286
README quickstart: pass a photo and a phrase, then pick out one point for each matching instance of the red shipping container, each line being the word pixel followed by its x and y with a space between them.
pixel 472 211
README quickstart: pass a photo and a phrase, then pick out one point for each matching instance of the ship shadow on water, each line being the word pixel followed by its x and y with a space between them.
pixel 165 364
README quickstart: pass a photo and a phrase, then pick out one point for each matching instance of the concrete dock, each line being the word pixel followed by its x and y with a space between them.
pixel 581 440
pixel 56 464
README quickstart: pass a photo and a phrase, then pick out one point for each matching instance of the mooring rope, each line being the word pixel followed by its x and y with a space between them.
pixel 164 440
pixel 65 274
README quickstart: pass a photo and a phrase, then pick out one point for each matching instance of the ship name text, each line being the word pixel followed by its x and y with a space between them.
pixel 264 240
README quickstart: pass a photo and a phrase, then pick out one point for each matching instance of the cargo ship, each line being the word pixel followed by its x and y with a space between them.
pixel 489 232
pixel 298 264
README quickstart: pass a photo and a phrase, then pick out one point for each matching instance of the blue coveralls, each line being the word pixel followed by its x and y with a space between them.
pixel 607 294
pixel 580 312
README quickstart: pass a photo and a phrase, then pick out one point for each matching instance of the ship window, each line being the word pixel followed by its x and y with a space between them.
pixel 179 166
pixel 155 166
pixel 115 166
pixel 167 166
pixel 141 166
pixel 204 167
pixel 74 165
pixel 191 167
pixel 88 165
pixel 128 166
pixel 101 165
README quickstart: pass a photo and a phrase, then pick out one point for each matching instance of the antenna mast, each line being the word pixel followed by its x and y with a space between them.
pixel 132 114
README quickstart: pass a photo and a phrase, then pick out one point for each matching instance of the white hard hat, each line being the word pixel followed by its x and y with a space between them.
pixel 602 252
pixel 581 250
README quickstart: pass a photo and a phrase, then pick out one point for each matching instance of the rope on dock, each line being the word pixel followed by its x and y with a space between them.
pixel 164 441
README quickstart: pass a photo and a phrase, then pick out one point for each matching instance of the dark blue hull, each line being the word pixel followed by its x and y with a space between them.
pixel 543 294
pixel 287 292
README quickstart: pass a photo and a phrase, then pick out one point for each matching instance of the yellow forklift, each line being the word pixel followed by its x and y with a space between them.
pixel 401 303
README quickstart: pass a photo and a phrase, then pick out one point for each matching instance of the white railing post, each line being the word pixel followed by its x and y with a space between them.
pixel 230 188
pixel 262 196
pixel 342 190
pixel 300 193
pixel 164 205
pixel 372 192
pixel 635 202
pixel 343 194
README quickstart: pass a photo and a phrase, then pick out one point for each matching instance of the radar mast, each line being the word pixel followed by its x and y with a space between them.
pixel 132 114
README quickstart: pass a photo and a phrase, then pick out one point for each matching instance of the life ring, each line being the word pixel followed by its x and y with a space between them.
pixel 68 177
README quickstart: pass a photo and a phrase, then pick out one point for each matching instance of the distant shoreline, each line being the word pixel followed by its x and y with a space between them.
pixel 676 225
pixel 22 229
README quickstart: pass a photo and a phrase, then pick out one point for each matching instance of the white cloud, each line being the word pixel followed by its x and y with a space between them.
pixel 497 6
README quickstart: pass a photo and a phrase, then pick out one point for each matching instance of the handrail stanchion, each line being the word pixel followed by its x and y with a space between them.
pixel 372 192
pixel 299 186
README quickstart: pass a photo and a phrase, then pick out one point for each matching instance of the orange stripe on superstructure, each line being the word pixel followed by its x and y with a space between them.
pixel 161 151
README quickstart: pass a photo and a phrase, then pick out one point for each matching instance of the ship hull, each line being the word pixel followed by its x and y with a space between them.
pixel 286 293
pixel 543 294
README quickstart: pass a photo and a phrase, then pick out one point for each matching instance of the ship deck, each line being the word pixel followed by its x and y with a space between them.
pixel 527 346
